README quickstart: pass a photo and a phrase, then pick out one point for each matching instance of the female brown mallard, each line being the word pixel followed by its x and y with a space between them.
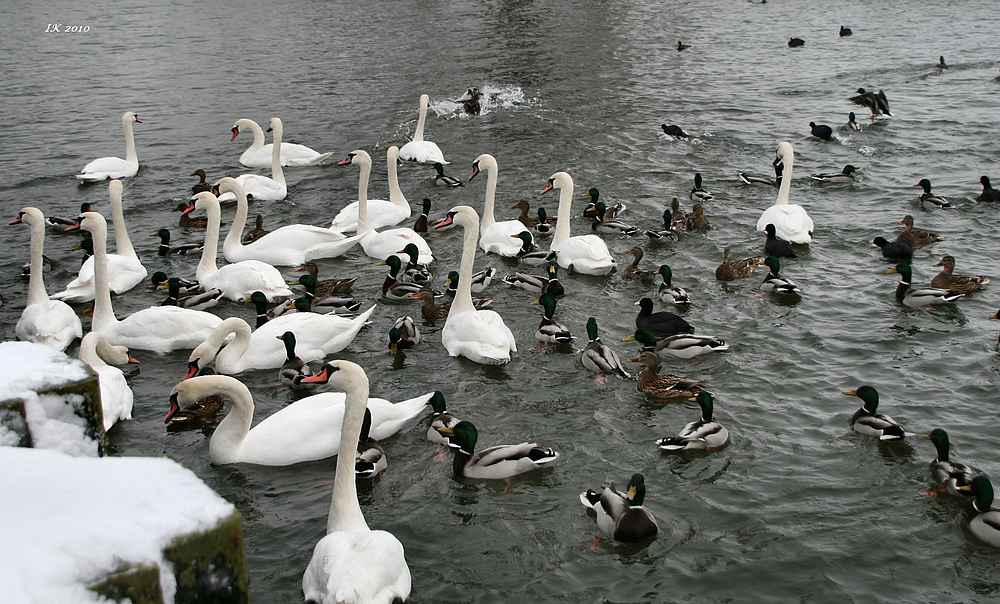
pixel 201 412
pixel 696 219
pixel 527 221
pixel 188 221
pixel 430 310
pixel 965 284
pixel 678 219
pixel 203 184
pixel 662 386
pixel 915 238
pixel 632 272
pixel 256 232
pixel 326 287
pixel 729 270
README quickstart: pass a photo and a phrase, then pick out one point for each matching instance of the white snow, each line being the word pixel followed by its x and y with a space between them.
pixel 69 521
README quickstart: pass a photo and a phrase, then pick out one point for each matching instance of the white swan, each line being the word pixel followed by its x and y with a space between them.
pixel 306 430
pixel 43 321
pixel 790 221
pixel 116 396
pixel 497 237
pixel 291 245
pixel 237 280
pixel 316 336
pixel 381 245
pixel 125 269
pixel 353 563
pixel 160 328
pixel 478 335
pixel 258 155
pixel 381 213
pixel 103 168
pixel 587 254
pixel 419 150
pixel 261 187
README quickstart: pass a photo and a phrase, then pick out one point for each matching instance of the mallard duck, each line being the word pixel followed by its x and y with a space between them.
pixel 685 346
pixel 60 224
pixel 704 433
pixel 673 130
pixel 392 288
pixel 774 283
pixel 293 369
pixel 443 180
pixel 678 219
pixel 919 298
pixel 403 334
pixel 202 184
pixel 370 460
pixel 598 356
pixel 868 421
pixel 414 271
pixel 87 245
pixel 430 310
pixel 943 473
pixel 827 178
pixel 325 306
pixel 470 102
pixel 821 131
pixel 421 225
pixel 960 283
pixel 523 207
pixel 915 238
pixel 669 293
pixel 662 322
pixel 989 193
pixel 159 280
pixel 698 194
pixel 682 46
pixel 852 124
pixel 845 31
pixel 729 270
pixel 602 223
pixel 480 281
pixel 200 301
pixel 982 514
pixel 667 234
pixel 779 248
pixel 550 332
pixel 179 250
pixel 322 288
pixel 763 181
pixel 592 210
pixel 632 272
pixel 622 516
pixel 696 219
pixel 874 101
pixel 536 284
pixel 440 419
pixel 796 42
pixel 662 386
pixel 546 224
pixel 259 301
pixel 202 411
pixel 930 200
pixel 187 220
pixel 256 232
pixel 897 250
pixel 501 461
pixel 527 253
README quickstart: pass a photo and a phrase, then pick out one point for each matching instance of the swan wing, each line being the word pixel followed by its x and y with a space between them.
pixel 791 222
pixel 116 396
pixel 240 279
pixel 104 168
pixel 480 335
pixel 161 329
pixel 586 254
pixel 124 273
pixel 388 418
pixel 424 152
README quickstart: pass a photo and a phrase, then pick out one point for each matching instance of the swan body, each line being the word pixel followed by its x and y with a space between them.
pixel 258 155
pixel 43 321
pixel 497 237
pixel 419 150
pixel 353 563
pixel 104 168
pixel 622 516
pixel 125 269
pixel 316 336
pixel 382 244
pixel 160 328
pixel 381 213
pixel 237 280
pixel 260 187
pixel 587 254
pixel 116 396
pixel 791 221
pixel 290 245
pixel 478 335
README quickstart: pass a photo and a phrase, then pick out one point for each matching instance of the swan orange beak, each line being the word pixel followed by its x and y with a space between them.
pixel 174 408
pixel 236 130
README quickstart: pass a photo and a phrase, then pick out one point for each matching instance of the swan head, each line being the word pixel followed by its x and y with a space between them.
pixel 130 116
pixel 243 123
pixel 784 152
pixel 93 222
pixel 343 375
pixel 30 216
pixel 447 222
pixel 392 156
pixel 227 184
pixel 203 201
pixel 274 125
pixel 463 216
pixel 559 180
pixel 359 157
pixel 190 392
pixel 483 162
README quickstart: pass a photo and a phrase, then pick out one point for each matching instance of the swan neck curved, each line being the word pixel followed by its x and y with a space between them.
pixel 233 429
pixel 277 174
pixel 463 294
pixel 123 245
pixel 130 154
pixel 234 239
pixel 230 358
pixel 345 511
pixel 786 180
pixel 88 349
pixel 395 193
pixel 363 175
pixel 36 282
pixel 491 194
pixel 104 314
pixel 565 208
pixel 207 266
pixel 418 134
pixel 258 136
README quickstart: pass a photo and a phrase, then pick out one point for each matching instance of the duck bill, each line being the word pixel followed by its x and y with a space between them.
pixel 851 393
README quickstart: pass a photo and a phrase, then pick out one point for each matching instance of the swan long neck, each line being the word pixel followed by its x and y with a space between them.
pixel 365 165
pixel 233 429
pixel 786 179
pixel 207 266
pixel 123 245
pixel 418 134
pixel 104 314
pixel 345 512
pixel 88 349
pixel 36 282
pixel 565 208
pixel 277 174
pixel 234 239
pixel 130 154
pixel 395 193
pixel 463 294
pixel 233 353
pixel 491 193
pixel 258 135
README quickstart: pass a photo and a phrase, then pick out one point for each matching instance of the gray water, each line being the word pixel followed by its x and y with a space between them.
pixel 797 507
